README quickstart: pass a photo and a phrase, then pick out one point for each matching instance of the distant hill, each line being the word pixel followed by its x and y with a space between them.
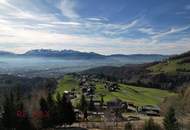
pixel 5 53
pixel 71 54
pixel 167 74
pixel 174 65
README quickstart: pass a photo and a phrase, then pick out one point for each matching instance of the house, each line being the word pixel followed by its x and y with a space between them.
pixel 78 114
pixel 88 88
pixel 150 110
pixel 70 95
pixel 111 86
pixel 115 104
pixel 131 107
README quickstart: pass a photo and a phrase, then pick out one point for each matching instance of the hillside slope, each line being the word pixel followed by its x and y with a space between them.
pixel 174 65
pixel 167 74
pixel 134 94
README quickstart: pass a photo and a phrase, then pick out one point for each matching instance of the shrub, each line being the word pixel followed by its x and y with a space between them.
pixel 170 121
pixel 151 125
pixel 128 126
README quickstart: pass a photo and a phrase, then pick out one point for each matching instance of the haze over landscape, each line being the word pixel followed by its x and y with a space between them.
pixel 94 65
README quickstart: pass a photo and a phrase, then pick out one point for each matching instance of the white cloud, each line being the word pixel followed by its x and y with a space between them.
pixel 109 29
pixel 67 8
pixel 97 19
pixel 170 31
pixel 122 27
pixel 66 23
pixel 149 31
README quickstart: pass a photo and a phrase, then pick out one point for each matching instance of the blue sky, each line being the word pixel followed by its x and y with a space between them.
pixel 102 26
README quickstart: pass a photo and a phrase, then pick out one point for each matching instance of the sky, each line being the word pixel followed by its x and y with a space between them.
pixel 101 26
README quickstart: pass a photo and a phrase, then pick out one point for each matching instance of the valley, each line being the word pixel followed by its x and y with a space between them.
pixel 54 63
pixel 131 91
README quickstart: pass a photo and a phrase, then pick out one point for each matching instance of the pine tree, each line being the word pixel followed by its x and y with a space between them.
pixel 69 114
pixel 170 121
pixel 52 111
pixel 66 111
pixel 43 112
pixel 102 101
pixel 58 98
pixel 91 106
pixel 9 114
pixel 83 106
pixel 23 122
pixel 11 119
pixel 58 110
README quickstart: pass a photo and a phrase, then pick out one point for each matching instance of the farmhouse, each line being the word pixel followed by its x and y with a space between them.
pixel 70 95
pixel 111 86
pixel 131 107
pixel 115 104
pixel 150 110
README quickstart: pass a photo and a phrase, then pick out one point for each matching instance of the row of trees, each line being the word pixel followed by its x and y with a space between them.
pixel 10 119
pixel 60 112
pixel 51 113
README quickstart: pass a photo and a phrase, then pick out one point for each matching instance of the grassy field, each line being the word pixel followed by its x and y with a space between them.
pixel 170 67
pixel 137 95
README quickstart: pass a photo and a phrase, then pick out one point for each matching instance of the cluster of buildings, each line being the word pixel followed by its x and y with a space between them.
pixel 88 87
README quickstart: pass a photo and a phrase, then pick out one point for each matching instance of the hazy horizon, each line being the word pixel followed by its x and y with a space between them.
pixel 87 52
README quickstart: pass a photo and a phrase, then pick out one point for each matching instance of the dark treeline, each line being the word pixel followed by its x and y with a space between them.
pixel 138 75
pixel 25 85
pixel 50 113
pixel 60 113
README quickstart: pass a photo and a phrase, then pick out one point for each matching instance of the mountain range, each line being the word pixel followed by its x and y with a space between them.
pixel 71 54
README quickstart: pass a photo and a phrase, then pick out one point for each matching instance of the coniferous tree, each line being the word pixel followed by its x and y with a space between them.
pixel 9 114
pixel 170 121
pixel 66 112
pixel 83 106
pixel 58 98
pixel 102 101
pixel 11 119
pixel 23 122
pixel 52 119
pixel 43 111
pixel 58 110
pixel 91 106
pixel 69 114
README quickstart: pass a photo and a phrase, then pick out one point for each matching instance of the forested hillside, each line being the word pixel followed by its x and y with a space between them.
pixel 168 74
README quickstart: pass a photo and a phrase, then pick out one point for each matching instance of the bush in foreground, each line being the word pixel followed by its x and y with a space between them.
pixel 151 125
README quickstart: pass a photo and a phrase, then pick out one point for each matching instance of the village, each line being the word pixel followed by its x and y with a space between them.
pixel 116 110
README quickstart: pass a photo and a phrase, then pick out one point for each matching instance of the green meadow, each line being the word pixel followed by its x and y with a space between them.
pixel 135 94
